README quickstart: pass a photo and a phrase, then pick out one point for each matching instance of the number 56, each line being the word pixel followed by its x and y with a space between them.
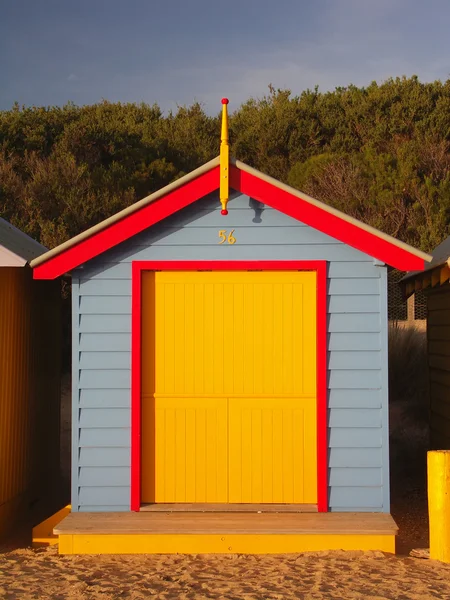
pixel 223 237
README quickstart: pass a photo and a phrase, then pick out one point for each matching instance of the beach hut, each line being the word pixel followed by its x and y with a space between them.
pixel 434 282
pixel 29 383
pixel 230 389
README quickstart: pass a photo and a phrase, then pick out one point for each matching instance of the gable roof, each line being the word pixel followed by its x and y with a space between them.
pixel 16 247
pixel 244 179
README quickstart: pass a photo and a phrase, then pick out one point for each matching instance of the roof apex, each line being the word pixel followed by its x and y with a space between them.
pixel 202 181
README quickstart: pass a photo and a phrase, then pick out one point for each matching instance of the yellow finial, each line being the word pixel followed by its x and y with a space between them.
pixel 224 158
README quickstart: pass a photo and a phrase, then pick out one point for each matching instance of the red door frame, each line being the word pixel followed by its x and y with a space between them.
pixel 136 311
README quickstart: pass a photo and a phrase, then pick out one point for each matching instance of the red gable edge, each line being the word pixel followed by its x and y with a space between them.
pixel 247 184
pixel 129 226
pixel 323 221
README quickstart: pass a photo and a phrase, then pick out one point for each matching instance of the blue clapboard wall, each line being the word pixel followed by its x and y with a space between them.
pixel 357 348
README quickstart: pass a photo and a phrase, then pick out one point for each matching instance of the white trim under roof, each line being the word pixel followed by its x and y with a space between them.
pixel 9 259
pixel 16 247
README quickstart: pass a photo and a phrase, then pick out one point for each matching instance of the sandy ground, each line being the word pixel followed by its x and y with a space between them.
pixel 27 574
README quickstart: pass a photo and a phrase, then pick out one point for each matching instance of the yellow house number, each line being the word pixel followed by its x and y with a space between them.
pixel 226 237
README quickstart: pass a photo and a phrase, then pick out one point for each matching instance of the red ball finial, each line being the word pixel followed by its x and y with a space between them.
pixel 225 100
pixel 224 212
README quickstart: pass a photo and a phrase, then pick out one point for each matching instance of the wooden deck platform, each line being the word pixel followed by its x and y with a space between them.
pixel 223 532
pixel 238 508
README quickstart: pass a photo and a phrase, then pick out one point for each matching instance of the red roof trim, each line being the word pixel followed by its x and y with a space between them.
pixel 330 224
pixel 129 226
pixel 248 184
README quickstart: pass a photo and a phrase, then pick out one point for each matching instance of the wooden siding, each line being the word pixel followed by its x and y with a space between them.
pixel 357 344
pixel 30 351
pixel 438 302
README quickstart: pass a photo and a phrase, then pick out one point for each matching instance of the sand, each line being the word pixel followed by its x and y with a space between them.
pixel 41 574
pixel 27 574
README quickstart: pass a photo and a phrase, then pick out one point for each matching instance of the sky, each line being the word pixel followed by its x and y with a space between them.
pixel 174 52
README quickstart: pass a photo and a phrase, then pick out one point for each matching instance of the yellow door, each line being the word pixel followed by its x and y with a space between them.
pixel 229 387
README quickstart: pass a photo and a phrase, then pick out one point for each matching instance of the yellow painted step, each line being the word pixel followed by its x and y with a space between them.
pixel 220 544
pixel 43 533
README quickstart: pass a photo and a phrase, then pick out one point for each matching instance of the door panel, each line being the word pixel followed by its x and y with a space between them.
pixel 272 450
pixel 229 387
pixel 188 441
pixel 221 333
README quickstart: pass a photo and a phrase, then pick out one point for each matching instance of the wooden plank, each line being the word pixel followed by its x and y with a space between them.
pixel 112 495
pixel 238 217
pixel 109 342
pixel 438 347
pixel 104 476
pixel 353 342
pixel 105 379
pixel 227 508
pixel 105 324
pixel 105 287
pixel 100 398
pixel 426 282
pixel 248 236
pixel 354 399
pixel 263 251
pixel 439 317
pixel 99 508
pixel 438 332
pixel 439 441
pixel 442 363
pixel 355 477
pixel 105 360
pixel 336 270
pixel 435 276
pixel 442 377
pixel 347 437
pixel 439 301
pixel 354 360
pixel 104 269
pixel 439 392
pixel 356 380
pixel 364 286
pixel 439 407
pixel 226 523
pixel 444 274
pixel 96 418
pixel 344 270
pixel 93 544
pixel 354 304
pixel 354 417
pixel 354 323
pixel 105 438
pixel 96 305
pixel 368 498
pixel 104 457
pixel 410 287
pixel 355 458
pixel 440 424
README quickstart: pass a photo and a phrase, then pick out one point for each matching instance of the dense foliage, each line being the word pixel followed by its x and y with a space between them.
pixel 379 153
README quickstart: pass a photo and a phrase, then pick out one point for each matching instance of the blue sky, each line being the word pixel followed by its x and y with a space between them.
pixel 176 52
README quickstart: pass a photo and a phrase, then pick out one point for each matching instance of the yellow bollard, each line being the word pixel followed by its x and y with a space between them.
pixel 439 504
